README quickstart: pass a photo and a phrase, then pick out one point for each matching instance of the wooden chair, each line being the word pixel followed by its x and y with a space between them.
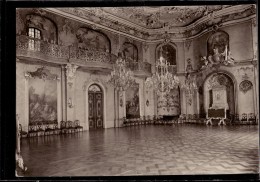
pixel 124 121
pixel 22 133
pixel 153 120
pixel 40 130
pixel 55 128
pixel 70 127
pixel 244 118
pixel 183 118
pixel 63 127
pixel 251 118
pixel 237 118
pixel 48 130
pixel 32 130
pixel 77 125
pixel 148 119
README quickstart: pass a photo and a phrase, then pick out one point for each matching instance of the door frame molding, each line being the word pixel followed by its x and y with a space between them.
pixel 103 88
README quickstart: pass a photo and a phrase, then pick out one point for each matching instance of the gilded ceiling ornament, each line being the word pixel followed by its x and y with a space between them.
pixel 245 86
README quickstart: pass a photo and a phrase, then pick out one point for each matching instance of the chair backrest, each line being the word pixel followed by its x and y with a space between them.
pixel 148 117
pixel 63 124
pixel 70 124
pixel 251 116
pixel 244 117
pixel 55 125
pixel 31 127
pixel 40 126
pixel 47 126
pixel 76 123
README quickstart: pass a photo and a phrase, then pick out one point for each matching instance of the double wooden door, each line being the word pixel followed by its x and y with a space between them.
pixel 95 105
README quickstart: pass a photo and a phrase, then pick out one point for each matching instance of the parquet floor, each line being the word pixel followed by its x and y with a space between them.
pixel 145 150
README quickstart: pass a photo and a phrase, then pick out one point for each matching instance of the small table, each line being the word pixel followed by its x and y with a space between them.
pixel 216 114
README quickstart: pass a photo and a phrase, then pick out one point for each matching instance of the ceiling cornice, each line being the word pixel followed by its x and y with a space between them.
pixel 220 18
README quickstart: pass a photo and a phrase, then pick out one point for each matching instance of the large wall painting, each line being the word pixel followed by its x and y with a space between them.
pixel 169 104
pixel 132 102
pixel 42 101
pixel 92 40
pixel 218 42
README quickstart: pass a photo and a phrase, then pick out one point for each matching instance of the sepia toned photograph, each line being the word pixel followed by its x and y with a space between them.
pixel 137 91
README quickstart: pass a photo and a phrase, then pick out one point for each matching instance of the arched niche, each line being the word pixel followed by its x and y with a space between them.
pixel 47 27
pixel 217 41
pixel 167 51
pixel 90 39
pixel 219 90
pixel 130 51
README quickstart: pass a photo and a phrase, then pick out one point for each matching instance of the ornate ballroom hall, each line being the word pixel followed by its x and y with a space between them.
pixel 137 91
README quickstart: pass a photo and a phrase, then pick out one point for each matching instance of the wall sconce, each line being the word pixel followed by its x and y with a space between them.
pixel 70 104
pixel 147 102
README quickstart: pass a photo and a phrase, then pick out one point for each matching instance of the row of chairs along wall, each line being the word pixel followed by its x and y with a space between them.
pixel 50 128
pixel 249 118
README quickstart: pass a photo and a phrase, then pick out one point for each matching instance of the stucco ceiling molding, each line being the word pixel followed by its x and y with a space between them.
pixel 73 16
pixel 180 33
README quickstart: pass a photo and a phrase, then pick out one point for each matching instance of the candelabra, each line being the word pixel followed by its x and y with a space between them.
pixel 162 81
pixel 121 78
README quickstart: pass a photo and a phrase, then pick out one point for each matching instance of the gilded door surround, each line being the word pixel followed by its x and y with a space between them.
pixel 104 90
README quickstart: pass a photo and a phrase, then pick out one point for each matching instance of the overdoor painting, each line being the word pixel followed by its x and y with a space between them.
pixel 132 102
pixel 42 101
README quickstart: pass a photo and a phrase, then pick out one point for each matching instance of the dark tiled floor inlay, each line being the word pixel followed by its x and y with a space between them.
pixel 145 150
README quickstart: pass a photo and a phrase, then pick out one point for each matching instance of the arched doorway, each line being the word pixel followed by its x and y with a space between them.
pixel 219 91
pixel 95 107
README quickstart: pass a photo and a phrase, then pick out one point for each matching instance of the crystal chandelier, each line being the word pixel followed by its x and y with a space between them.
pixel 162 80
pixel 121 78
pixel 190 86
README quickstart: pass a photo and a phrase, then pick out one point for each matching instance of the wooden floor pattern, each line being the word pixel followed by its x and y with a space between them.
pixel 145 150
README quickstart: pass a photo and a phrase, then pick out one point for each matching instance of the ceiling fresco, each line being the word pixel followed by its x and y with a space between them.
pixel 158 17
pixel 159 22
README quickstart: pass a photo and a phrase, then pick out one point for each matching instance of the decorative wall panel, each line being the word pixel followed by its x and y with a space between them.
pixel 169 104
pixel 92 40
pixel 132 102
pixel 42 100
